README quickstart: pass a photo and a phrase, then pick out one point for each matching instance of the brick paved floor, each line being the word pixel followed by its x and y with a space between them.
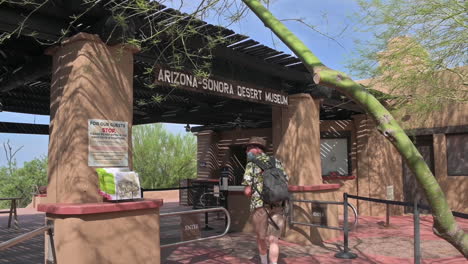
pixel 373 243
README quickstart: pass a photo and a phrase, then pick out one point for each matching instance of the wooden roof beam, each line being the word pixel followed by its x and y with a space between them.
pixel 37 68
pixel 23 128
pixel 44 28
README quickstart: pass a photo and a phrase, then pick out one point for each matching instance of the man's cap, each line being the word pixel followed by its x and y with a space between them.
pixel 257 141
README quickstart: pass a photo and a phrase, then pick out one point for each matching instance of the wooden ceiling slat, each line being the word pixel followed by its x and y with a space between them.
pixel 253 49
pixel 268 55
pixel 212 29
pixel 262 54
pixel 288 61
pixel 247 43
pixel 293 64
pixel 234 38
pixel 299 67
pixel 277 58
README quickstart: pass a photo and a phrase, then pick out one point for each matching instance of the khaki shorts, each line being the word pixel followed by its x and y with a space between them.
pixel 262 224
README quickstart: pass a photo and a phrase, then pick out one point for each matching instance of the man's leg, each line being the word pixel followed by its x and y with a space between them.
pixel 262 249
pixel 262 246
pixel 260 224
pixel 274 249
pixel 274 232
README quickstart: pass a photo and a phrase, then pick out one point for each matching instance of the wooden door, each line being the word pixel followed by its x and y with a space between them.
pixel 411 187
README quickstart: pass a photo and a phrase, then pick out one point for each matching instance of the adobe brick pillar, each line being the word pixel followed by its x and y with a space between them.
pixel 90 80
pixel 296 139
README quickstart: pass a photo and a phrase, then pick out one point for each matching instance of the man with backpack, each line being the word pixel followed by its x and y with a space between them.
pixel 267 185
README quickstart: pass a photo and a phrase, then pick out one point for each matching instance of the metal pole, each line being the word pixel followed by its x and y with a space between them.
pixel 207 227
pixel 11 213
pixel 387 219
pixel 417 243
pixel 51 246
pixel 226 205
pixel 345 222
pixel 16 216
pixel 345 254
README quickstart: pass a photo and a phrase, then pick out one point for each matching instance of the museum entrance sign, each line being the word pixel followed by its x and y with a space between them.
pixel 219 86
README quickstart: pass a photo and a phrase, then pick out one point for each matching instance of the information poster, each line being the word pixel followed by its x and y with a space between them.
pixel 108 143
pixel 390 193
pixel 119 183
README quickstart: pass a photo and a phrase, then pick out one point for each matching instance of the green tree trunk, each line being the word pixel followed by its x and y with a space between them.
pixel 445 225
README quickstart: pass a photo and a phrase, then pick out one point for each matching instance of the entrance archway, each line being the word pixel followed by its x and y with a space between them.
pixel 82 81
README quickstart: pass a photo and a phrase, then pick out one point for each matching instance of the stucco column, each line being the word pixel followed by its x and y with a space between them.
pixel 299 146
pixel 280 121
pixel 93 81
pixel 90 80
pixel 296 138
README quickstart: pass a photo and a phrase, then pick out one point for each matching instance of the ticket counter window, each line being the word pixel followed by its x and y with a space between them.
pixel 334 153
pixel 238 161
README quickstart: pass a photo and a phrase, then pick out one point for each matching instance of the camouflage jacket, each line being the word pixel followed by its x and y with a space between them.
pixel 253 176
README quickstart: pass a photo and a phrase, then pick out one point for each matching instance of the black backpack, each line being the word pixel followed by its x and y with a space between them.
pixel 275 184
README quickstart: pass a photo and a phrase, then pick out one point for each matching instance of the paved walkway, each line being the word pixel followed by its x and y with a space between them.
pixel 373 243
pixel 28 252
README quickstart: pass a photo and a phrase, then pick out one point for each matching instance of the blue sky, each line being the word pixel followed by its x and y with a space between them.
pixel 330 17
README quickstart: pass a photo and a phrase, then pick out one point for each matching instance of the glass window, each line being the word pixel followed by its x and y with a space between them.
pixel 334 154
pixel 457 154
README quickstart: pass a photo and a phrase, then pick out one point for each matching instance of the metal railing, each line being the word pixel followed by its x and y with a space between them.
pixel 345 254
pixel 29 235
pixel 228 224
pixel 167 189
pixel 217 195
pixel 49 229
pixel 324 202
pixel 416 207
pixel 23 237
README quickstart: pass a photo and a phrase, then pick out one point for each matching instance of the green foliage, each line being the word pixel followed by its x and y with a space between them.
pixel 161 158
pixel 22 182
pixel 416 44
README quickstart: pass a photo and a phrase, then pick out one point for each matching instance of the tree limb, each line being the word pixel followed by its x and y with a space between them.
pixel 444 221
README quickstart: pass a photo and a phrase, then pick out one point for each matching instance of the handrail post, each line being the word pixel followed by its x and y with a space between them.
pixel 417 243
pixel 387 215
pixel 345 254
pixel 345 222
